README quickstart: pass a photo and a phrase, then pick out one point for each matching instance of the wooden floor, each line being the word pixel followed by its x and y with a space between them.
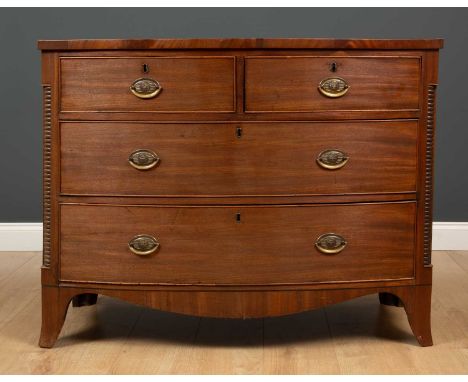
pixel 113 337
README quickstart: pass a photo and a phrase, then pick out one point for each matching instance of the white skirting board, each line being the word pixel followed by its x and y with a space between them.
pixel 28 236
pixel 450 236
pixel 20 236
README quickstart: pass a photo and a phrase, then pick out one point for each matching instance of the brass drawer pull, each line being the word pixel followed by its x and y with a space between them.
pixel 333 87
pixel 143 159
pixel 330 243
pixel 332 159
pixel 143 245
pixel 145 88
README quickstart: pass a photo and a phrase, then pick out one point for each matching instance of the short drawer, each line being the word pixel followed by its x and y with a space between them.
pixel 237 245
pixel 238 159
pixel 308 84
pixel 169 84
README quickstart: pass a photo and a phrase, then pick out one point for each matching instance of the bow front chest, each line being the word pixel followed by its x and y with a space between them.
pixel 238 177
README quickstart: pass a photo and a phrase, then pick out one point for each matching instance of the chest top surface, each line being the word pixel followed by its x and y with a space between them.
pixel 241 43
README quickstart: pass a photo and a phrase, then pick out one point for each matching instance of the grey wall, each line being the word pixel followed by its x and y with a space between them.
pixel 20 92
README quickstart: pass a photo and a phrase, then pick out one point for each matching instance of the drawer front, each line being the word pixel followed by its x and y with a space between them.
pixel 220 159
pixel 215 245
pixel 182 84
pixel 291 84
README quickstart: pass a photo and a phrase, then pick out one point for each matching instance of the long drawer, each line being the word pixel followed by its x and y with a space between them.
pixel 237 245
pixel 139 84
pixel 308 84
pixel 238 159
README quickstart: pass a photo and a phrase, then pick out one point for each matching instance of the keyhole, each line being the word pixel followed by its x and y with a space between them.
pixel 333 66
pixel 238 217
pixel 239 132
pixel 145 68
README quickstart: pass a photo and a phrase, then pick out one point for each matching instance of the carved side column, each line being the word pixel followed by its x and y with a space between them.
pixel 428 187
pixel 47 174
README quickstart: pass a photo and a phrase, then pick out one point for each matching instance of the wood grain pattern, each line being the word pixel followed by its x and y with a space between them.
pixel 188 84
pixel 267 159
pixel 207 245
pixel 289 84
pixel 54 303
pixel 240 43
pixel 211 117
pixel 252 304
pixel 238 200
pixel 239 304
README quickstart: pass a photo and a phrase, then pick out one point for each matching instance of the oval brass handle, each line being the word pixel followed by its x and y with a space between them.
pixel 330 243
pixel 333 87
pixel 143 245
pixel 145 88
pixel 143 159
pixel 332 159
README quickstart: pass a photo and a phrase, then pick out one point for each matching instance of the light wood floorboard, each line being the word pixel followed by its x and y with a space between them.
pixel 355 337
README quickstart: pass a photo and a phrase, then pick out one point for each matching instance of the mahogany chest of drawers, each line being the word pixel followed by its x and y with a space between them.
pixel 238 177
